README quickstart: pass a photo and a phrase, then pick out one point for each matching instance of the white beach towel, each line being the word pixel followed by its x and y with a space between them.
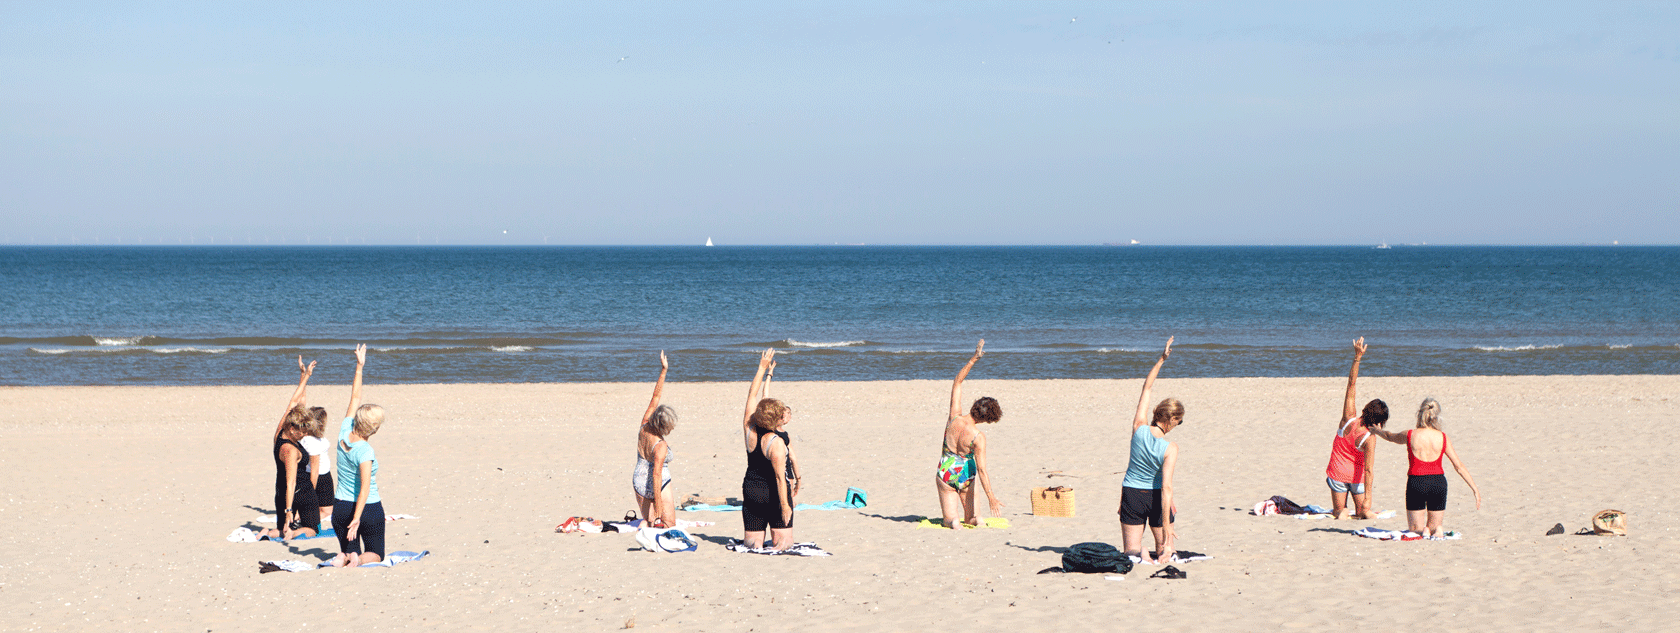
pixel 243 535
pixel 797 549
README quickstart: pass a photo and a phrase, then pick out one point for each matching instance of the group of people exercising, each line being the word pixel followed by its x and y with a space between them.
pixel 771 482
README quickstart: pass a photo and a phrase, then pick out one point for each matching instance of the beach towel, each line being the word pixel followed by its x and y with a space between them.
pixel 797 549
pixel 245 535
pixel 837 504
pixel 1178 557
pixel 665 540
pixel 395 558
pixel 996 523
pixel 1403 535
pixel 269 518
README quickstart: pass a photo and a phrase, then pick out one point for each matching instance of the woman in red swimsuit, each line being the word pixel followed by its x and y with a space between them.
pixel 1426 482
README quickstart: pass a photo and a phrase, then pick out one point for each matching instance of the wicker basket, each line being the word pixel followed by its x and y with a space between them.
pixel 1052 502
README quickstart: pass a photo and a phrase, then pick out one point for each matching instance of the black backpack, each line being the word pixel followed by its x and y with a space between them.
pixel 1095 558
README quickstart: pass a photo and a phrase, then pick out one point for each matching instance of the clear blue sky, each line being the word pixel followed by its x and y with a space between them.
pixel 787 123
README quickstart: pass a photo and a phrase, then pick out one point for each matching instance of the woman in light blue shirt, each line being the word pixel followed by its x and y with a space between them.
pixel 1146 494
pixel 358 516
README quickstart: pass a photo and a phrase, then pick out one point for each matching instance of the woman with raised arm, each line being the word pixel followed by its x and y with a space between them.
pixel 766 497
pixel 653 458
pixel 296 511
pixel 1146 495
pixel 962 456
pixel 1426 482
pixel 1352 454
pixel 358 516
pixel 320 460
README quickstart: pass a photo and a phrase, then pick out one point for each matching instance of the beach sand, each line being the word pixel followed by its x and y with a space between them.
pixel 120 498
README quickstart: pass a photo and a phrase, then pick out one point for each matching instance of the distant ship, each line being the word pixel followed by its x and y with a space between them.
pixel 1383 245
pixel 708 241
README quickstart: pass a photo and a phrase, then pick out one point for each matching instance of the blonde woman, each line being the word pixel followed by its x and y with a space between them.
pixel 766 496
pixel 652 478
pixel 963 452
pixel 296 512
pixel 358 516
pixel 1146 495
pixel 320 460
pixel 1426 481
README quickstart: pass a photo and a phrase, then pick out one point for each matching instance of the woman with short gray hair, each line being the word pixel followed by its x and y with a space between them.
pixel 653 458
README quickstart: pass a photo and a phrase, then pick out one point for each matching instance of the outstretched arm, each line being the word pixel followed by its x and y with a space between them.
pixel 984 473
pixel 1142 416
pixel 1398 437
pixel 658 387
pixel 956 386
pixel 753 393
pixel 1446 446
pixel 1350 404
pixel 768 374
pixel 356 383
pixel 778 458
pixel 297 394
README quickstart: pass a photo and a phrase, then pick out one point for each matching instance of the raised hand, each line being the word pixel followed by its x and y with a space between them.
pixel 361 354
pixel 1359 347
pixel 767 357
pixel 980 349
pixel 1168 350
pixel 663 364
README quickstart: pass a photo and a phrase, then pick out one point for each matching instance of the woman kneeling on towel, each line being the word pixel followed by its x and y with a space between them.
pixel 1146 496
pixel 767 495
pixel 1352 453
pixel 1426 482
pixel 358 516
pixel 963 456
pixel 652 478
pixel 296 511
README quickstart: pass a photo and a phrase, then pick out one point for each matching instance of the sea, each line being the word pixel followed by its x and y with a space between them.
pixel 242 315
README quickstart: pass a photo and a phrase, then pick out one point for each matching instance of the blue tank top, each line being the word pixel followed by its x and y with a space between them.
pixel 1144 471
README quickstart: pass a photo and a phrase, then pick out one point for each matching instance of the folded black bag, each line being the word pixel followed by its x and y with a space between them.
pixel 1095 558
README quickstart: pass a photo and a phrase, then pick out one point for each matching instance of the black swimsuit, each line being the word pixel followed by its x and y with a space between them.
pixel 761 500
pixel 303 499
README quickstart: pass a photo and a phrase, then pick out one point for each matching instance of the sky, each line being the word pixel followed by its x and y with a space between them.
pixel 857 122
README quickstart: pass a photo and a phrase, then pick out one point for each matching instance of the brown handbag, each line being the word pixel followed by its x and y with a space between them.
pixel 1052 502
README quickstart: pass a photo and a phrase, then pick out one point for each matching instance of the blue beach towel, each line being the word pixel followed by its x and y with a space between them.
pixel 854 499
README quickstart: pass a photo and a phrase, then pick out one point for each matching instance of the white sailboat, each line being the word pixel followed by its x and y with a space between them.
pixel 708 241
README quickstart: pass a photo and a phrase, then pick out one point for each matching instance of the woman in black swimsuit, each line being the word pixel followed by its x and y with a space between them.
pixel 296 511
pixel 766 498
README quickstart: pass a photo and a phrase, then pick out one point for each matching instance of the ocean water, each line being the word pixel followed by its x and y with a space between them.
pixel 241 315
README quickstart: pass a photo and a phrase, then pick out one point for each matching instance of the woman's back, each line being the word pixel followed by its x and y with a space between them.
pixel 960 436
pixel 1424 450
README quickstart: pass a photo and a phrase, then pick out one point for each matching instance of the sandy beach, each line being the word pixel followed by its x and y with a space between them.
pixel 121 499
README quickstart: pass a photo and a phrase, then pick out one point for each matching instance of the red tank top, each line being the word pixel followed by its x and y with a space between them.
pixel 1420 467
pixel 1347 453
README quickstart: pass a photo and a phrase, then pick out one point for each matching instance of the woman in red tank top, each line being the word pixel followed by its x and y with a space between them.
pixel 1352 452
pixel 1426 482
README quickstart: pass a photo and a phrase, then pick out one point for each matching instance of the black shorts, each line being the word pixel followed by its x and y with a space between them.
pixel 370 535
pixel 761 505
pixel 324 490
pixel 1139 506
pixel 1426 492
pixel 304 504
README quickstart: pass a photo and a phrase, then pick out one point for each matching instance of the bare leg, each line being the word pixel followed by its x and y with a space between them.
pixel 1131 536
pixel 1362 505
pixel 967 495
pixel 781 538
pixel 668 507
pixel 1415 521
pixel 753 540
pixel 949 502
pixel 326 516
pixel 368 557
pixel 1338 504
pixel 1436 518
pixel 642 505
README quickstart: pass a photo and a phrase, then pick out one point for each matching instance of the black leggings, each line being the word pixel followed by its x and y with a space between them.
pixel 304 504
pixel 1426 492
pixel 369 535
pixel 761 505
